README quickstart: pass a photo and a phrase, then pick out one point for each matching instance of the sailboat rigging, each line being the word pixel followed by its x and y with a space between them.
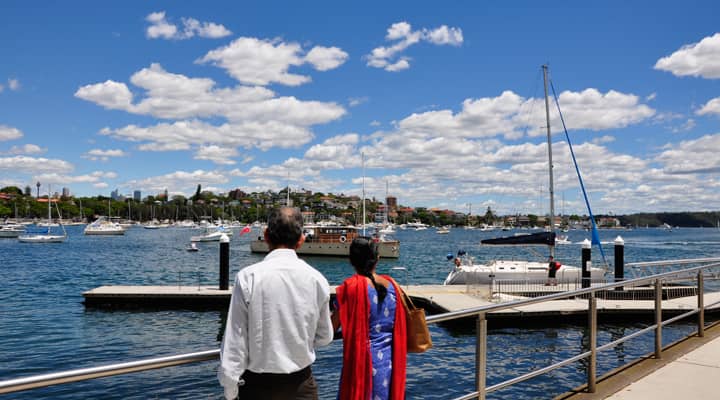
pixel 47 237
pixel 468 272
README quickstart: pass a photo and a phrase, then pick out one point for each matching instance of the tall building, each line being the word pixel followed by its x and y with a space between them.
pixel 115 194
pixel 65 192
pixel 137 196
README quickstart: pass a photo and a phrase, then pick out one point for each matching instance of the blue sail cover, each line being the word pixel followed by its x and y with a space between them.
pixel 532 239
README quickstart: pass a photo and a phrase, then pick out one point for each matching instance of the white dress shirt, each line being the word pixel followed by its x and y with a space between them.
pixel 278 314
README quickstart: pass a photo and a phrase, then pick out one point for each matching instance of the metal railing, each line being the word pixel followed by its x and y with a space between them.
pixel 19 384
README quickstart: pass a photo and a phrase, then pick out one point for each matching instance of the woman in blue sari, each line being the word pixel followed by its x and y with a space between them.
pixel 373 329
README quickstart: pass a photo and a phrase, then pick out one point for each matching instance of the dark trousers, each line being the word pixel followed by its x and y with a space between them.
pixel 299 385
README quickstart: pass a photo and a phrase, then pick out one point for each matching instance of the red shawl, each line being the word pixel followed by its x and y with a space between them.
pixel 354 308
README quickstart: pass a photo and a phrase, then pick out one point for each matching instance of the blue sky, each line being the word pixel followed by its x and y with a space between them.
pixel 445 101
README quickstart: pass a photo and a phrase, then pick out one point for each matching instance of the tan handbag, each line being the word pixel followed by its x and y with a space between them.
pixel 418 334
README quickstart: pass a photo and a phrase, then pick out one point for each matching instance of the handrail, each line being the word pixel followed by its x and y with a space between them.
pixel 37 381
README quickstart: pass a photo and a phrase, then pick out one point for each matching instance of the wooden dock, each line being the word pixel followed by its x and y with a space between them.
pixel 434 298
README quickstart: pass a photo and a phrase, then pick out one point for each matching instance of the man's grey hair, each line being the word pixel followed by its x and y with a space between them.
pixel 285 226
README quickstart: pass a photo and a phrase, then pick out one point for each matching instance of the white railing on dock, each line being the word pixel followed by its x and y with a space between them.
pixel 655 282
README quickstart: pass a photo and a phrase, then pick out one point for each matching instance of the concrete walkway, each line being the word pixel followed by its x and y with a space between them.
pixel 689 369
pixel 693 376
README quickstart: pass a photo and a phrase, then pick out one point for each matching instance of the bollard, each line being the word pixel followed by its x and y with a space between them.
pixel 586 263
pixel 619 261
pixel 224 261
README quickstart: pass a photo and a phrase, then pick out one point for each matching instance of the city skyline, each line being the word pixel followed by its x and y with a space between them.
pixel 445 102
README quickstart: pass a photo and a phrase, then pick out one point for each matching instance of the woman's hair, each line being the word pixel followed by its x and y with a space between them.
pixel 364 255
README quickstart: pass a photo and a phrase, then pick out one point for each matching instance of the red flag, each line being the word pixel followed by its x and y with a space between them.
pixel 245 230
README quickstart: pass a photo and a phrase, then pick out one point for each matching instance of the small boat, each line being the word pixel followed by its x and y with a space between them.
pixel 45 237
pixel 333 240
pixel 562 239
pixel 192 247
pixel 443 230
pixel 102 226
pixel 11 230
pixel 212 234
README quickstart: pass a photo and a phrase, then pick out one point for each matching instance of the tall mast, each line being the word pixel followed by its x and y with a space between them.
pixel 288 190
pixel 550 160
pixel 363 190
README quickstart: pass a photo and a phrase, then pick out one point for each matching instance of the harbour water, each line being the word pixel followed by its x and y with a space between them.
pixel 45 328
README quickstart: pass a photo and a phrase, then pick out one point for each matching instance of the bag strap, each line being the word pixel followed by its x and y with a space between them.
pixel 407 300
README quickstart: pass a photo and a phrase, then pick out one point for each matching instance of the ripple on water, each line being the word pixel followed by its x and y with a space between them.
pixel 45 327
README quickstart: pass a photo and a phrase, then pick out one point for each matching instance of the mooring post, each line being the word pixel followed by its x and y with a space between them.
pixel 619 261
pixel 224 261
pixel 586 263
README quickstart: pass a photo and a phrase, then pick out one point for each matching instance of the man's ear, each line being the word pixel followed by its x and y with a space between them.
pixel 265 236
pixel 300 241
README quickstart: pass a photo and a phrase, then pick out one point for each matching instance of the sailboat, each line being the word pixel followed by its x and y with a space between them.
pixel 46 237
pixel 103 226
pixel 466 271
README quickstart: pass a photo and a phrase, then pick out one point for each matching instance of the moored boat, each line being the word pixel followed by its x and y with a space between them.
pixel 332 240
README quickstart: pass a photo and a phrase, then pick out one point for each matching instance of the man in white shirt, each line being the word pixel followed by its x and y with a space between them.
pixel 278 315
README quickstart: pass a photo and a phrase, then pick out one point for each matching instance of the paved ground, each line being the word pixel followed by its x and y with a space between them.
pixel 688 370
pixel 693 376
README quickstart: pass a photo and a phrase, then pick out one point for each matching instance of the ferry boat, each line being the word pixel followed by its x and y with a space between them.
pixel 332 240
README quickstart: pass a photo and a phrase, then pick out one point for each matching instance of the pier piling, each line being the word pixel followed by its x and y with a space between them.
pixel 619 261
pixel 224 261
pixel 586 263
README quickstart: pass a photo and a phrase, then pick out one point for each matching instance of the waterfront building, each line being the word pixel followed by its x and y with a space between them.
pixel 137 195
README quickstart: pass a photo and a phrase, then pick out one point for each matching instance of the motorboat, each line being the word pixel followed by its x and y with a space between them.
pixel 212 234
pixel 192 247
pixel 333 240
pixel 11 230
pixel 443 230
pixel 562 239
pixel 102 226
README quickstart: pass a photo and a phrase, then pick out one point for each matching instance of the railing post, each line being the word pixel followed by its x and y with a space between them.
pixel 224 262
pixel 481 355
pixel 592 322
pixel 701 304
pixel 586 263
pixel 619 261
pixel 658 319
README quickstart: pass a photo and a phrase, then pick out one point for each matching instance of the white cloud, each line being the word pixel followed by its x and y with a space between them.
pixel 444 35
pixel 181 135
pixel 217 154
pixel 262 62
pixel 402 32
pixel 26 149
pixel 14 84
pixel 179 180
pixel 603 139
pixel 692 156
pixel 255 116
pixel 101 185
pixel 161 28
pixel 103 155
pixel 2 88
pixel 326 58
pixel 356 101
pixel 711 107
pixel 511 115
pixel 59 178
pixel 209 30
pixel 109 94
pixel 9 133
pixel 32 165
pixel 700 59
pixel 375 123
